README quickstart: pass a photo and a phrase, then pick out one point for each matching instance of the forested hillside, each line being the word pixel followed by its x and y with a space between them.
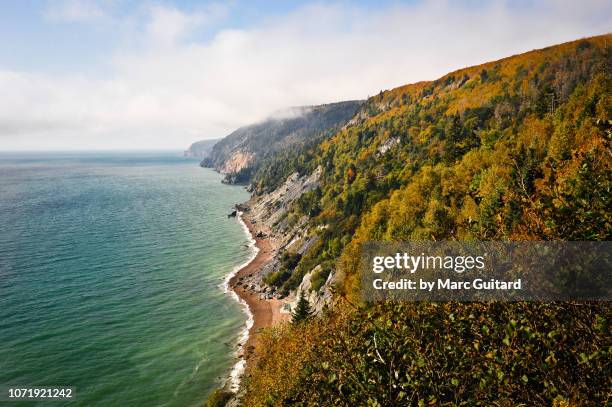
pixel 516 149
pixel 241 154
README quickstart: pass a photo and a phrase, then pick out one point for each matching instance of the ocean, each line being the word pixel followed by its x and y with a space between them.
pixel 111 272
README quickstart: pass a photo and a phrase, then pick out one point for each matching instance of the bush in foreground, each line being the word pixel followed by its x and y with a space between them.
pixel 473 354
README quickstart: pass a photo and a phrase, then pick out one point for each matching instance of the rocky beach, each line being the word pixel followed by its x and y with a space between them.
pixel 264 218
pixel 247 284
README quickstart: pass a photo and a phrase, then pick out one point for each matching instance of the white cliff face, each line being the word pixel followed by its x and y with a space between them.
pixel 274 205
pixel 388 145
pixel 237 161
pixel 317 299
pixel 268 211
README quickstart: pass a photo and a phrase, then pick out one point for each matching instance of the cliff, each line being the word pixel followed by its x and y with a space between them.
pixel 515 149
pixel 240 154
pixel 201 149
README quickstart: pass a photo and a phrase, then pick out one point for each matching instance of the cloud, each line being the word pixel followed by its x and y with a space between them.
pixel 75 10
pixel 168 25
pixel 172 89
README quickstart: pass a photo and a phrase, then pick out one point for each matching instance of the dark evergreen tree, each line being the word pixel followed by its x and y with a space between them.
pixel 303 312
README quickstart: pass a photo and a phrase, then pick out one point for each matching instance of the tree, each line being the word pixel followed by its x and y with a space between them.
pixel 303 312
pixel 351 174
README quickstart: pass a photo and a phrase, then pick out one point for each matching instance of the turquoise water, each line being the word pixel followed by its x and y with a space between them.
pixel 110 273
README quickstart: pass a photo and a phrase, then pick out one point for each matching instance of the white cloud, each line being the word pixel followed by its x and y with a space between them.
pixel 75 10
pixel 173 90
pixel 167 25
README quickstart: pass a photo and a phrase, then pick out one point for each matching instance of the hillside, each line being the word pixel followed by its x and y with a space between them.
pixel 201 149
pixel 241 153
pixel 516 149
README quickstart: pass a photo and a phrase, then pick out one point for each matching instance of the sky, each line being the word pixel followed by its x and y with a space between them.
pixel 125 74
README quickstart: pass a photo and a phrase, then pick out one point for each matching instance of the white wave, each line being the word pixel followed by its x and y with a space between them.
pixel 238 368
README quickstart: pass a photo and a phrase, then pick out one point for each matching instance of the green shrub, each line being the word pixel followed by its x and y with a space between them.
pixel 319 277
pixel 491 160
pixel 424 353
pixel 277 278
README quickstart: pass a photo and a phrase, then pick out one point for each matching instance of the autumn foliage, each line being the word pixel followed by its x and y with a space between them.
pixel 516 149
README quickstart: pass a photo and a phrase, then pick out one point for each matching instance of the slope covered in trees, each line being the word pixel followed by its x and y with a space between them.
pixel 242 153
pixel 516 149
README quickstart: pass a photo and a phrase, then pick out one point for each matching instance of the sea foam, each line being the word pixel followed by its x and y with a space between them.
pixel 239 366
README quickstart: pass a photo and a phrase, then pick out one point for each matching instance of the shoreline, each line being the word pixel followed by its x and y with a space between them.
pixel 261 313
pixel 239 367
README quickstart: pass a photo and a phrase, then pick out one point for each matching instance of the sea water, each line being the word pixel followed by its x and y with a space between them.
pixel 111 272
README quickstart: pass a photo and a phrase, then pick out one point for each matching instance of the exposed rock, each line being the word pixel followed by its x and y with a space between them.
pixel 248 145
pixel 317 299
pixel 241 207
pixel 237 161
pixel 273 206
pixel 387 145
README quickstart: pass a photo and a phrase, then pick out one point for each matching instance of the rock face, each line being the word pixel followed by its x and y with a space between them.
pixel 387 145
pixel 201 149
pixel 238 154
pixel 236 162
pixel 269 210
pixel 317 299
pixel 275 204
